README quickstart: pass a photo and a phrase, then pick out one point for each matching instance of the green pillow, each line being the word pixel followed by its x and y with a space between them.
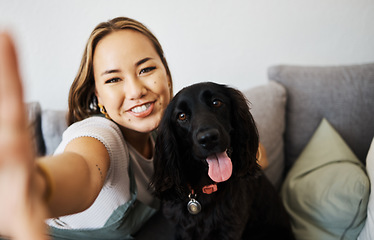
pixel 326 191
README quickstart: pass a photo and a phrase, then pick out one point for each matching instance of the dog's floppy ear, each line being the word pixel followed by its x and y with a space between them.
pixel 245 135
pixel 166 159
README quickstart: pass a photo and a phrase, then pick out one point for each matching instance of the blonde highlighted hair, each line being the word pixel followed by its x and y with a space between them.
pixel 82 99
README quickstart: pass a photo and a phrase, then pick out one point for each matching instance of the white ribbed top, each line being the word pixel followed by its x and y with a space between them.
pixel 116 189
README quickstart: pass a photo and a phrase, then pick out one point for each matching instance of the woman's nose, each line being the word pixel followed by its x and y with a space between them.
pixel 134 89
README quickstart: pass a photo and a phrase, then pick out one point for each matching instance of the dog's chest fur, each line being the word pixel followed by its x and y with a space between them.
pixel 224 214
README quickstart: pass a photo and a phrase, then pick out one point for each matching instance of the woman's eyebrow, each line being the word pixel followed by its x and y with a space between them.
pixel 110 71
pixel 142 61
pixel 138 63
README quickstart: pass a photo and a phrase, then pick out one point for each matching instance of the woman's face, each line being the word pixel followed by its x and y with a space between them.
pixel 131 81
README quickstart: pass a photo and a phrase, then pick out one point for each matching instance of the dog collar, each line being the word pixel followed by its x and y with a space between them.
pixel 207 189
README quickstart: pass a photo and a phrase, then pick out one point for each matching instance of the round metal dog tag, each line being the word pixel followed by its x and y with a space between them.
pixel 193 206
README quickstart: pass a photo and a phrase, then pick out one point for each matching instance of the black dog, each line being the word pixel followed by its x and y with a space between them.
pixel 206 171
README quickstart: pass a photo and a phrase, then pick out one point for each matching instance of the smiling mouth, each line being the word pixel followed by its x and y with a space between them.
pixel 140 109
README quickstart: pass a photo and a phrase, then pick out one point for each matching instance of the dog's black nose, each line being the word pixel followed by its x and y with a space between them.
pixel 208 138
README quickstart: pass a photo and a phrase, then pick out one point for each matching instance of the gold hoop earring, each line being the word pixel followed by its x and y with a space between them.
pixel 103 111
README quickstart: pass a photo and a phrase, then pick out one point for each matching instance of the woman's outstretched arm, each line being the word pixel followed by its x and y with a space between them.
pixel 30 190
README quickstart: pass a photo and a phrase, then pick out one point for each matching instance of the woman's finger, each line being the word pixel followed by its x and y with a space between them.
pixel 22 210
pixel 12 110
pixel 14 137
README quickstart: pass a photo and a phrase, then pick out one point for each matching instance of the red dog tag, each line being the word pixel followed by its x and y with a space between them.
pixel 210 188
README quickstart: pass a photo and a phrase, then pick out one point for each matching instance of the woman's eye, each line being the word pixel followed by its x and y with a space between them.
pixel 113 80
pixel 146 70
pixel 217 103
pixel 182 116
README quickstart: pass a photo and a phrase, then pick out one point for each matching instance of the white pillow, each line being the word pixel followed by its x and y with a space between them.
pixel 367 232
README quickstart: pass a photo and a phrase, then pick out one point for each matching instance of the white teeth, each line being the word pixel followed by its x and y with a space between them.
pixel 141 108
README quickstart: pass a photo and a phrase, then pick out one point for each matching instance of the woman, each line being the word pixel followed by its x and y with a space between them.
pixel 91 178
pixel 98 177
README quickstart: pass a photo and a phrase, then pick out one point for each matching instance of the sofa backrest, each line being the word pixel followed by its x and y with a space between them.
pixel 344 95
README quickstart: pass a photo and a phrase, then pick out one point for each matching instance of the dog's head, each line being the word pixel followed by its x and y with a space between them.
pixel 207 131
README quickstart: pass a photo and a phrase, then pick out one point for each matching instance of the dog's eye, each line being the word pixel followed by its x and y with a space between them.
pixel 217 103
pixel 182 116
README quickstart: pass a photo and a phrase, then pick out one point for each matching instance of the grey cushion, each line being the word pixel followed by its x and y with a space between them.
pixel 268 109
pixel 344 95
pixel 53 125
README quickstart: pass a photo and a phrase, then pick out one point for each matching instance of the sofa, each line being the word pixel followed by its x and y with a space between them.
pixel 317 125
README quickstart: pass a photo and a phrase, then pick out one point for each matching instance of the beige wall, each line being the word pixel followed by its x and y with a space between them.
pixel 227 41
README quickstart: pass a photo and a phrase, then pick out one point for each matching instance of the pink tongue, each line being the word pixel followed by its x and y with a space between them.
pixel 220 167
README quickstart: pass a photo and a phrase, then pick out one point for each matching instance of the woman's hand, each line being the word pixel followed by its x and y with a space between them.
pixel 22 207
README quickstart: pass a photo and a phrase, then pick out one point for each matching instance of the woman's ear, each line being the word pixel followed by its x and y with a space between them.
pixel 98 98
pixel 170 86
